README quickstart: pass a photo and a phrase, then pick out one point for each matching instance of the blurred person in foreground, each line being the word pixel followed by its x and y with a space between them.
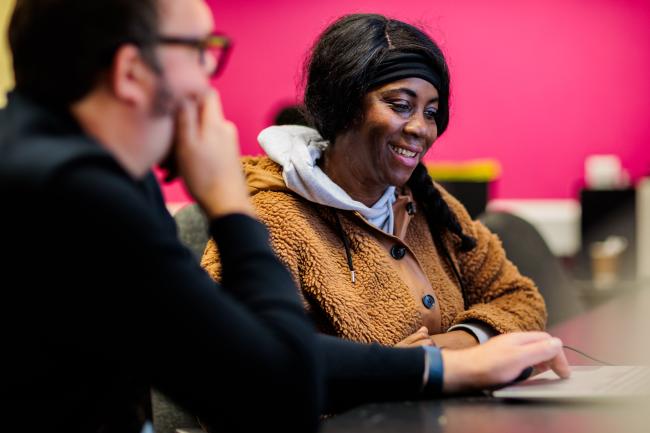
pixel 101 288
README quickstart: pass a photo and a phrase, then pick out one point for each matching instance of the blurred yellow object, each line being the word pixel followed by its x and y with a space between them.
pixel 6 72
pixel 478 170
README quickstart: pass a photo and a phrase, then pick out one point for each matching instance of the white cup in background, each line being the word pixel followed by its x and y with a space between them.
pixel 604 172
pixel 605 261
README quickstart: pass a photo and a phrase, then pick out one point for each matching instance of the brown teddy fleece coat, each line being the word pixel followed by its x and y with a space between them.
pixel 378 306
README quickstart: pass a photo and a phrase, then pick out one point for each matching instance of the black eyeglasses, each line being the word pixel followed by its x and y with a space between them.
pixel 217 45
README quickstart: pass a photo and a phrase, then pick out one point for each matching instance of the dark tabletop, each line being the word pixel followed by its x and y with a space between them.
pixel 617 332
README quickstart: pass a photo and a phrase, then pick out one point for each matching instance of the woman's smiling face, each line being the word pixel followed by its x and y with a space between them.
pixel 397 128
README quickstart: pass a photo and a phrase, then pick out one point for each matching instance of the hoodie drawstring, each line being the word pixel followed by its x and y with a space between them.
pixel 346 244
pixel 437 239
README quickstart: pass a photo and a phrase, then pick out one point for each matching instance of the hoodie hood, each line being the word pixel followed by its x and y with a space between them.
pixel 262 174
pixel 297 150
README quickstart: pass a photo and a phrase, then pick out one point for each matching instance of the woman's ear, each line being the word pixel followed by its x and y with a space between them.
pixel 131 79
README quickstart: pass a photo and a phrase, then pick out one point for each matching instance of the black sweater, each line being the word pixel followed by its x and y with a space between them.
pixel 100 301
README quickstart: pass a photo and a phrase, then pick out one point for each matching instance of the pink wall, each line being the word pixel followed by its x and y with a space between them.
pixel 536 84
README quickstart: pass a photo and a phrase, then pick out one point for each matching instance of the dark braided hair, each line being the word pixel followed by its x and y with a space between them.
pixel 439 215
pixel 337 78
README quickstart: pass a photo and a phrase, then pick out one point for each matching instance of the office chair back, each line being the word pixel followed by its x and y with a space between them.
pixel 192 227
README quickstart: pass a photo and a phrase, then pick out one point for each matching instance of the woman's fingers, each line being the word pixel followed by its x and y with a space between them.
pixel 419 338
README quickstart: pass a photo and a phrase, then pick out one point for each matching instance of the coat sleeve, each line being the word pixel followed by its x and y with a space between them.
pixel 495 292
pixel 211 261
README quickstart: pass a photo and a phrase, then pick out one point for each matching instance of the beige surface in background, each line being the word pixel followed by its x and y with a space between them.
pixel 6 74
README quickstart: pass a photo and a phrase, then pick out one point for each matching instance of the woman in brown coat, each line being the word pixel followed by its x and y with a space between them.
pixel 380 252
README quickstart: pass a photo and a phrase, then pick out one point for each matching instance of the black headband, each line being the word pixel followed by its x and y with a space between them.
pixel 398 65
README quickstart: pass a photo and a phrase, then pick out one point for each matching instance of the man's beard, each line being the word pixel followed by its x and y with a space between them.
pixel 164 102
pixel 165 105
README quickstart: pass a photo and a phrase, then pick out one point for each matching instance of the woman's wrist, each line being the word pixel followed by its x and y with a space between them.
pixel 458 339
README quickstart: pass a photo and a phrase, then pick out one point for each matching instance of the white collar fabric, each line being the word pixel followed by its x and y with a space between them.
pixel 297 149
